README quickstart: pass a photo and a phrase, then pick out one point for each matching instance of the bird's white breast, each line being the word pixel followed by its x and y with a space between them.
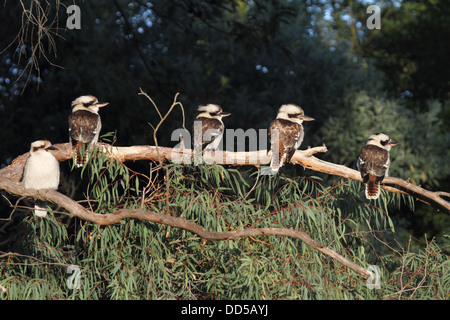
pixel 41 172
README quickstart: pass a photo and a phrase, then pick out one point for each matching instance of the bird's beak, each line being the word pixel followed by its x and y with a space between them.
pixel 100 105
pixel 51 148
pixel 306 118
pixel 393 143
pixel 225 114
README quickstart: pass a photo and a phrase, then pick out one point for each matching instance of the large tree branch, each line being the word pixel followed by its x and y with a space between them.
pixel 304 158
pixel 10 176
pixel 77 210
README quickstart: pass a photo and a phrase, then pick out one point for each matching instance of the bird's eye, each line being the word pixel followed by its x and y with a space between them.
pixel 87 104
pixel 384 142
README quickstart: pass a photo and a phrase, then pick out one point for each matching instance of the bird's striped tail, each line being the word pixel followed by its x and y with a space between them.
pixel 372 188
pixel 81 154
pixel 278 157
pixel 275 163
pixel 277 160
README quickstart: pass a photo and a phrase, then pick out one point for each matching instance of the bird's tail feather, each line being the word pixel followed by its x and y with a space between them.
pixel 275 164
pixel 372 188
pixel 277 161
pixel 278 156
pixel 81 155
pixel 40 210
pixel 81 159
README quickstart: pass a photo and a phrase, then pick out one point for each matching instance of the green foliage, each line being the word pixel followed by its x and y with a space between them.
pixel 420 26
pixel 139 260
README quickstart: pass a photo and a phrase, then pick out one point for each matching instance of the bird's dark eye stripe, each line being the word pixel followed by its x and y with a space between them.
pixel 37 148
pixel 385 142
pixel 87 104
pixel 293 115
pixel 214 113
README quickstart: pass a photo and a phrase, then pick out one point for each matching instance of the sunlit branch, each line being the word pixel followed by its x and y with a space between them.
pixel 11 175
pixel 305 158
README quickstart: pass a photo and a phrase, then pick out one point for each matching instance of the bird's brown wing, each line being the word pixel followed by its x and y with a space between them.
pixel 373 160
pixel 83 129
pixel 210 130
pixel 83 126
pixel 284 138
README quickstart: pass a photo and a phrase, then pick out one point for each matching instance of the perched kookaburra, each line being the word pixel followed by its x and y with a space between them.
pixel 373 163
pixel 84 126
pixel 286 134
pixel 208 127
pixel 41 171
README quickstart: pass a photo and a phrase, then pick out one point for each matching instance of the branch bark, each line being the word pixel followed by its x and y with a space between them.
pixel 304 158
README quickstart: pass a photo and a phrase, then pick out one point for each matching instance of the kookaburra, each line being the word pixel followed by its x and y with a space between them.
pixel 373 163
pixel 84 126
pixel 208 127
pixel 41 171
pixel 286 134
